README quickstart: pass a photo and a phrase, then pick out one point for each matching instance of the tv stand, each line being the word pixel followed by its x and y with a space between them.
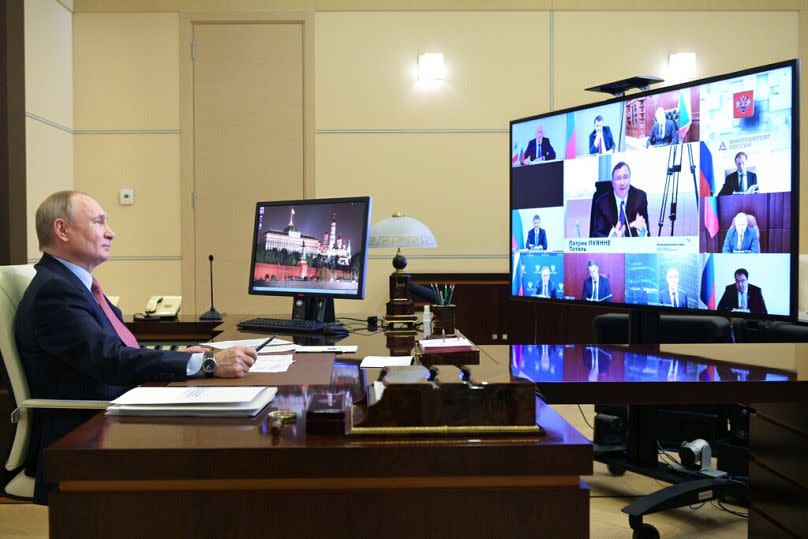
pixel 317 309
pixel 640 451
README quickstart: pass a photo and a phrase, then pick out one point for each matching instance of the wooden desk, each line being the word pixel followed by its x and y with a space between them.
pixel 186 329
pixel 183 477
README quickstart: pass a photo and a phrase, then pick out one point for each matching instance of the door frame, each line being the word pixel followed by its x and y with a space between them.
pixel 188 267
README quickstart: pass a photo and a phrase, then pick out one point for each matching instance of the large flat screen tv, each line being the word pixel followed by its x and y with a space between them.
pixel 683 197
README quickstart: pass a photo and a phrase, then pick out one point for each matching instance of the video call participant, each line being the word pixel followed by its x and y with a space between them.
pixel 664 130
pixel 612 210
pixel 536 236
pixel 546 151
pixel 600 139
pixel 73 343
pixel 740 181
pixel 673 295
pixel 546 288
pixel 741 238
pixel 742 296
pixel 596 286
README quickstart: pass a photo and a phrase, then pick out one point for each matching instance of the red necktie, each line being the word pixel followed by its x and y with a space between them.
pixel 122 331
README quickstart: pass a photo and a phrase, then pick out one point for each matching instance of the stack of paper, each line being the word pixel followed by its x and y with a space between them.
pixel 193 401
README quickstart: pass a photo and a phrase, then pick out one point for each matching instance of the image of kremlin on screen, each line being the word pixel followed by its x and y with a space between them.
pixel 308 247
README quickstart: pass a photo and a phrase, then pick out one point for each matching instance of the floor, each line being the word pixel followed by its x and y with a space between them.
pixel 609 495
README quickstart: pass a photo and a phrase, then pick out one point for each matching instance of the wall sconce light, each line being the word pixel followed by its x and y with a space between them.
pixel 681 66
pixel 431 67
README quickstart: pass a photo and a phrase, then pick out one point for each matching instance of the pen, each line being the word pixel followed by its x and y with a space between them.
pixel 263 344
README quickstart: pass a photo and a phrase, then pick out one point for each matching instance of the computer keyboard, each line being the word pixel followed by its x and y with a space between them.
pixel 280 325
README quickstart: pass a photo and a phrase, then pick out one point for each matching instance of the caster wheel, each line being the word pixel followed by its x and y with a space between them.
pixel 614 469
pixel 646 531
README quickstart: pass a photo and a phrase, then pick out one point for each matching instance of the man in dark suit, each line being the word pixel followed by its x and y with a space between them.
pixel 742 296
pixel 596 286
pixel 536 237
pixel 621 211
pixel 740 181
pixel 673 295
pixel 600 139
pixel 73 343
pixel 741 238
pixel 546 288
pixel 546 151
pixel 663 132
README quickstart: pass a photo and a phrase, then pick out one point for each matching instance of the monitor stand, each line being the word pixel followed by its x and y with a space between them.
pixel 313 308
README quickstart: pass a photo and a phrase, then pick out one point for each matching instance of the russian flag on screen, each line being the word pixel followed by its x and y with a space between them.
pixel 570 136
pixel 711 215
pixel 515 154
pixel 684 114
pixel 708 283
pixel 517 288
pixel 517 235
pixel 706 176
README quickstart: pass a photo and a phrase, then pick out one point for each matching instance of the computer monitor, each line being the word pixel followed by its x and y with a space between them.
pixel 680 199
pixel 313 250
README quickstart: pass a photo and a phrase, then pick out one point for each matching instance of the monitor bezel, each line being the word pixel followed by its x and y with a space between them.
pixel 360 293
pixel 794 64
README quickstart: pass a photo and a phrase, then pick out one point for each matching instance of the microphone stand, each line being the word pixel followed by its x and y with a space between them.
pixel 212 314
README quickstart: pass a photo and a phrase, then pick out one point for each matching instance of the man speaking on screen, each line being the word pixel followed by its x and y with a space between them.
pixel 622 211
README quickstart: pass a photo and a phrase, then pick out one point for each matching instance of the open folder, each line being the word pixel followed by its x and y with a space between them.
pixel 213 401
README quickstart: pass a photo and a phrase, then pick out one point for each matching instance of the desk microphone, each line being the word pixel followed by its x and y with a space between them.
pixel 578 227
pixel 212 314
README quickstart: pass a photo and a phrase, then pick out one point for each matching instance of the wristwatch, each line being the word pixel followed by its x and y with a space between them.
pixel 208 363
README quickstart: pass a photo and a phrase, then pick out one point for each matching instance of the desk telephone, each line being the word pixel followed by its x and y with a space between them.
pixel 163 306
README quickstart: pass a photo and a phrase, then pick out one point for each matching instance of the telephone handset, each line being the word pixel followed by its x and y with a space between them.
pixel 163 306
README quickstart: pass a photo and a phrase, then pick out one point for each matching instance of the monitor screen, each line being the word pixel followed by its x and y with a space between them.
pixel 315 247
pixel 679 198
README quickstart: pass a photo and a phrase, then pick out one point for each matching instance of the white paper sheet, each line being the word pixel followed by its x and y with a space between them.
pixel 272 363
pixel 385 361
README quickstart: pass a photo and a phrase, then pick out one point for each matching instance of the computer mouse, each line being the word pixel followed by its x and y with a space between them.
pixel 335 329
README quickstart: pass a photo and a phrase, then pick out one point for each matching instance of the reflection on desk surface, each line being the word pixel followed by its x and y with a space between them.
pixel 565 363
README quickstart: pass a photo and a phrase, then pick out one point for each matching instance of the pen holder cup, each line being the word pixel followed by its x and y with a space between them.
pixel 443 320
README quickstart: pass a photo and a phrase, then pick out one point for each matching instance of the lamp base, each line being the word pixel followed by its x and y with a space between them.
pixel 400 303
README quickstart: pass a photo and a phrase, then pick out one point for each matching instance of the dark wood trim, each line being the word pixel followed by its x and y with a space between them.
pixel 13 235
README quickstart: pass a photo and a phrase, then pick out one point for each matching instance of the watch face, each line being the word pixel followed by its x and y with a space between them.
pixel 209 365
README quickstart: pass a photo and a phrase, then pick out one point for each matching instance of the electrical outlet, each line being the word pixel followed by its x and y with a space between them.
pixel 127 196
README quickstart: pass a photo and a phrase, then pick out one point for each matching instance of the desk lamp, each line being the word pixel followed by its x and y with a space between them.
pixel 401 231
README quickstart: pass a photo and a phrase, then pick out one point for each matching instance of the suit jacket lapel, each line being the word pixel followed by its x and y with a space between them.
pixel 57 267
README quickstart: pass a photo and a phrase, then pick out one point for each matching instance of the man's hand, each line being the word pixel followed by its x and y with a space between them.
pixel 639 223
pixel 234 362
pixel 618 230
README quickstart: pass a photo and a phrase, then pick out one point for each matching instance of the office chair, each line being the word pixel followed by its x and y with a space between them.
pixel 13 282
pixel 601 186
pixel 648 424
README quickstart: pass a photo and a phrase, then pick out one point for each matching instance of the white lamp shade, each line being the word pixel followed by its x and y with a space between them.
pixel 401 231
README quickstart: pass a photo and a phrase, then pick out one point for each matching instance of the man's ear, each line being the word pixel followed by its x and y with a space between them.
pixel 60 230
